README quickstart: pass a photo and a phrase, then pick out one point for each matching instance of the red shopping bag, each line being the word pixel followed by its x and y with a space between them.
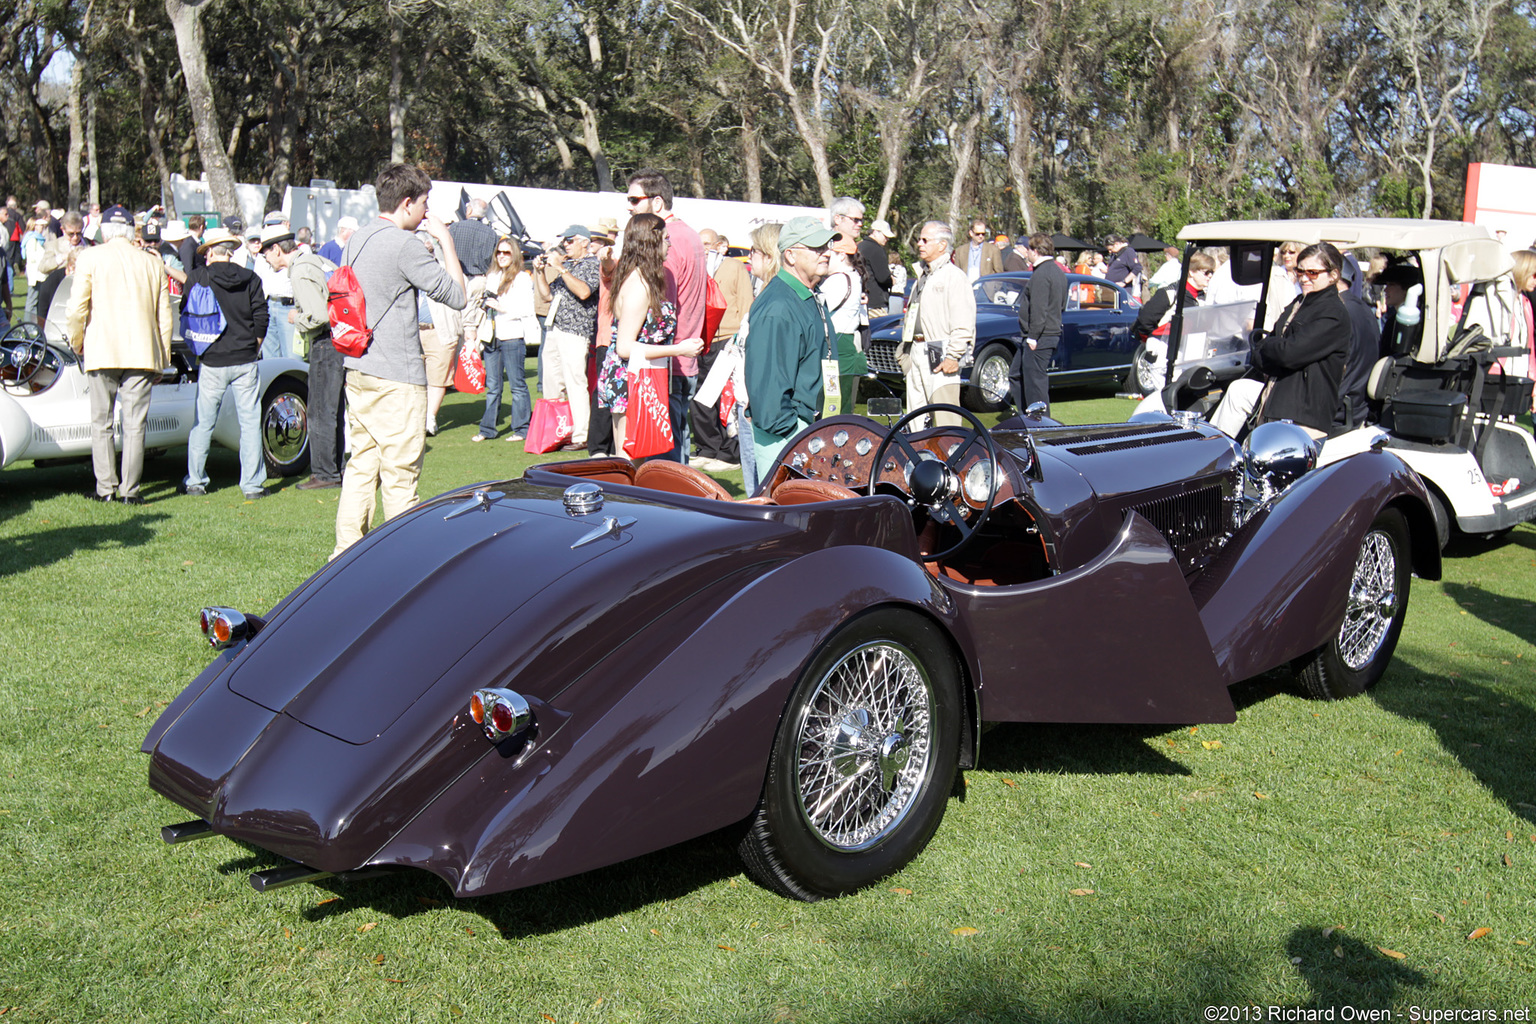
pixel 550 427
pixel 714 310
pixel 727 403
pixel 648 428
pixel 469 375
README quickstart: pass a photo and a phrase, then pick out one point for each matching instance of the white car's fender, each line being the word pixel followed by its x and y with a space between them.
pixel 15 430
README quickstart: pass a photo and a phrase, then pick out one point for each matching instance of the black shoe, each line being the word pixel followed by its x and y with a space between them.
pixel 254 495
pixel 133 499
pixel 93 496
pixel 194 490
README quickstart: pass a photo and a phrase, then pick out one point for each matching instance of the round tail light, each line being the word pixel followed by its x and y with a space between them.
pixel 501 713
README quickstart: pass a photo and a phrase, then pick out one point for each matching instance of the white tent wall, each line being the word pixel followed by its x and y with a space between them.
pixel 545 212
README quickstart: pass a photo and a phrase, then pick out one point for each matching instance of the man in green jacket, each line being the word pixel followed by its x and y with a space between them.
pixel 791 336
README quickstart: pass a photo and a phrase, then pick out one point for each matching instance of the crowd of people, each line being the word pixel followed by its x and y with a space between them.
pixel 601 304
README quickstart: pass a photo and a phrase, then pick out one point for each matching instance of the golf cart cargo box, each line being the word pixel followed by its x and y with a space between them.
pixel 1427 415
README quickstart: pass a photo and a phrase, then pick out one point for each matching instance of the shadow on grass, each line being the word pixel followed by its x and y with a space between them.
pixel 1487 731
pixel 1075 749
pixel 598 895
pixel 1345 971
pixel 1516 615
pixel 46 546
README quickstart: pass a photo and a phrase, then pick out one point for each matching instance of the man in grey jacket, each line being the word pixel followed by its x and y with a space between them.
pixel 307 272
pixel 1040 307
pixel 387 385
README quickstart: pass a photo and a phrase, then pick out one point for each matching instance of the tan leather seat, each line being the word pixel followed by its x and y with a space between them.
pixel 675 478
pixel 805 492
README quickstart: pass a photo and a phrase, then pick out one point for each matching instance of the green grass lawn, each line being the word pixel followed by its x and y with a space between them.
pixel 1307 856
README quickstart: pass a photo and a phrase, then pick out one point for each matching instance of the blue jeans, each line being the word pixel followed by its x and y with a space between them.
pixel 242 381
pixel 506 359
pixel 279 340
pixel 748 450
pixel 678 404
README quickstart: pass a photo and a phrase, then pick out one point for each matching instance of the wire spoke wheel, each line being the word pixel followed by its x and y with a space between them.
pixel 865 738
pixel 1372 601
pixel 864 759
pixel 1374 609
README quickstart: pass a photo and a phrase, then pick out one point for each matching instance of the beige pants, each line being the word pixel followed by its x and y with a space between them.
pixel 131 388
pixel 386 432
pixel 924 387
pixel 565 374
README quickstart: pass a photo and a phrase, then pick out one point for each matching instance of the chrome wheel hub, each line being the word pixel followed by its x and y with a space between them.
pixel 1373 601
pixel 865 742
pixel 285 429
pixel 992 377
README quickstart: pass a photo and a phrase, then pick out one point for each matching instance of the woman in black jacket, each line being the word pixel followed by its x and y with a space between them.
pixel 1304 355
pixel 1302 358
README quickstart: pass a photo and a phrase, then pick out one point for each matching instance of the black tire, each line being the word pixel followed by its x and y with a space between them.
pixel 984 394
pixel 872 729
pixel 1352 662
pixel 1143 377
pixel 285 427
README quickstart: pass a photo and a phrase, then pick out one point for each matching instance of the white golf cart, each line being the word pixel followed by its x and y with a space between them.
pixel 1439 399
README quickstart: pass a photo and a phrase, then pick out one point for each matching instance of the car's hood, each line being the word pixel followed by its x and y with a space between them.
pixel 991 321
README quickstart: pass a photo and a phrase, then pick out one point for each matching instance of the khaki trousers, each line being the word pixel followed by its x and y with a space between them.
pixel 924 387
pixel 565 373
pixel 387 433
pixel 131 389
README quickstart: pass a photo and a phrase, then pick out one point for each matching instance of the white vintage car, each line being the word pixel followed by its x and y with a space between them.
pixel 45 408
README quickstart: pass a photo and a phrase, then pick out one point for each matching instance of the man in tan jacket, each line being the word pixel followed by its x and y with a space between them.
pixel 980 255
pixel 120 323
pixel 940 322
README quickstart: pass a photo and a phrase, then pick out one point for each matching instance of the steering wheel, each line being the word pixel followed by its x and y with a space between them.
pixel 936 483
pixel 26 352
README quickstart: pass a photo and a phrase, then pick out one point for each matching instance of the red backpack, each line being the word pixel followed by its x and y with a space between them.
pixel 350 333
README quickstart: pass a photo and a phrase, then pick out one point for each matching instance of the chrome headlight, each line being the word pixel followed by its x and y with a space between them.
pixel 1276 455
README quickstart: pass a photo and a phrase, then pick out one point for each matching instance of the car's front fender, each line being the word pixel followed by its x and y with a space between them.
pixel 1278 590
pixel 15 430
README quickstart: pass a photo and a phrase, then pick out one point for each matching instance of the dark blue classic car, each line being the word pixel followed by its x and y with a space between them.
pixel 1096 341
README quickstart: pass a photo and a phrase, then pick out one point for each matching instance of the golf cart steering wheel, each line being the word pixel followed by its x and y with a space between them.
pixel 935 483
pixel 25 353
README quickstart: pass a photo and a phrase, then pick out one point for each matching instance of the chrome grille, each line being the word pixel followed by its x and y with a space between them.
pixel 881 354
pixel 1186 519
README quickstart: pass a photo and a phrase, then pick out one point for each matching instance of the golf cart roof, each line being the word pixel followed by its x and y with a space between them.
pixel 1451 253
pixel 1344 232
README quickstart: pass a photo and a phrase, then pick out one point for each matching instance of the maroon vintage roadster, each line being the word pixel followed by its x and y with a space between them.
pixel 523 680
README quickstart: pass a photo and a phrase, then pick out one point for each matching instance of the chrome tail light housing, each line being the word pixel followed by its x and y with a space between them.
pixel 225 627
pixel 501 713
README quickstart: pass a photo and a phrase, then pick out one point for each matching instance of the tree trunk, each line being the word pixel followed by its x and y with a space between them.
pixel 76 123
pixel 593 144
pixel 156 117
pixel 187 21
pixel 962 143
pixel 751 154
pixel 93 171
pixel 397 102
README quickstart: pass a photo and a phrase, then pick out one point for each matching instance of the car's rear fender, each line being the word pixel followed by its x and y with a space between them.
pixel 1278 589
pixel 642 764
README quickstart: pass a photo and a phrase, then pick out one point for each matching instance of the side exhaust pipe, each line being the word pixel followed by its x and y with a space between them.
pixel 281 878
pixel 186 832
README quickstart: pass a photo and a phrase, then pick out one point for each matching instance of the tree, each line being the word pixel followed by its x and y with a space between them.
pixel 187 22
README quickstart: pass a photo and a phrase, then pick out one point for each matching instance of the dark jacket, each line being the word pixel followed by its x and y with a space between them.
pixel 1305 356
pixel 1042 302
pixel 1149 322
pixel 877 273
pixel 1364 350
pixel 240 296
pixel 1123 267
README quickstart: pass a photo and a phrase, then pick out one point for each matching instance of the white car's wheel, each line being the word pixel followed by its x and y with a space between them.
pixel 285 427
